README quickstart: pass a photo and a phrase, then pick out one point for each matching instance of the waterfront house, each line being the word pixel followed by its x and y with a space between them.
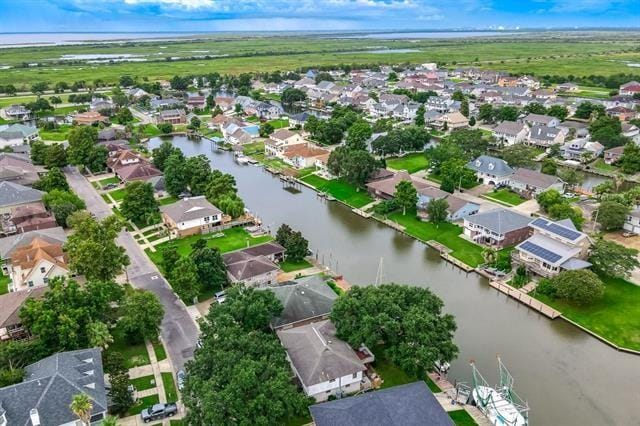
pixel 632 222
pixel 582 150
pixel 17 134
pixel 554 247
pixel 13 194
pixel 189 216
pixel 279 140
pixel 491 170
pixel 302 155
pixel 129 166
pixel 250 268
pixel 226 103
pixel 510 132
pixel 613 155
pixel 621 113
pixel 497 228
pixel 411 404
pixel 529 183
pixel 89 118
pixel 11 327
pixel 325 365
pixel 457 208
pixel 629 89
pixel 171 116
pixel 452 120
pixel 196 100
pixel 567 87
pixel 158 104
pixel 37 263
pixel 304 301
pixel 545 136
pixel 385 188
pixel 49 386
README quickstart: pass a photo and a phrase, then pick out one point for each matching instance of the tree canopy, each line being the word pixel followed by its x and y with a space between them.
pixel 142 315
pixel 406 195
pixel 296 246
pixel 611 215
pixel 612 259
pixel 139 204
pixel 579 287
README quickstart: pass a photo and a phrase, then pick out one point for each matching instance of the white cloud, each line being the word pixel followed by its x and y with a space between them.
pixel 186 4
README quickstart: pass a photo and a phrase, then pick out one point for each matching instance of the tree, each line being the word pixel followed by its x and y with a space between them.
pixel 506 113
pixel 184 279
pixel 535 108
pixel 519 155
pixel 92 249
pixel 565 210
pixel 579 287
pixel 198 171
pixel 62 319
pixel 231 204
pixel 358 135
pixel 437 209
pixel 53 179
pixel 55 156
pixel 126 81
pixel 570 176
pixel 210 267
pixel 549 167
pixel 612 259
pixel 98 335
pixel 266 129
pixel 119 394
pixel 291 96
pixel 586 110
pixel 558 111
pixel 195 123
pixel 611 215
pixel 419 120
pixel 180 83
pixel 454 174
pixel 81 406
pixel 162 153
pixel 139 204
pixel 407 321
pixel 62 203
pixel 630 161
pixel 219 185
pixel 142 315
pixel 124 116
pixel 170 257
pixel 165 128
pixel 237 347
pixel 175 173
pixel 406 195
pixel 464 107
pixel 38 152
pixel 39 87
pixel 81 142
pixel 607 130
pixel 296 246
pixel 485 113
pixel 472 121
pixel 549 198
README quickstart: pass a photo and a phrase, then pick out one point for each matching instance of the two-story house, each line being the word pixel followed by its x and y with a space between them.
pixel 497 228
pixel 37 263
pixel 279 140
pixel 545 136
pixel 189 216
pixel 554 247
pixel 491 170
pixel 510 132
pixel 582 150
pixel 540 119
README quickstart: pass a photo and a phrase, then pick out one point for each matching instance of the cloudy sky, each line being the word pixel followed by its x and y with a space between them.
pixel 276 15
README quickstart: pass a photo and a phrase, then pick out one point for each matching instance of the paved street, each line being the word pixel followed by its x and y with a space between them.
pixel 178 330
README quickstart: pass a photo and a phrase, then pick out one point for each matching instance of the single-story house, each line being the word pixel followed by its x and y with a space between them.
pixel 89 118
pixel 491 170
pixel 529 183
pixel 453 120
pixel 15 113
pixel 385 188
pixel 28 217
pixel 613 155
pixel 411 404
pixel 325 365
pixel 49 385
pixel 497 228
pixel 457 208
pixel 18 168
pixel 304 300
pixel 11 327
pixel 189 216
pixel 252 270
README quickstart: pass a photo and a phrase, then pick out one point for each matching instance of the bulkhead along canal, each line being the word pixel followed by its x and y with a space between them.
pixel 567 376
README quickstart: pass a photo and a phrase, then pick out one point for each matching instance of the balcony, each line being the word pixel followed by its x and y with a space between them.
pixel 532 266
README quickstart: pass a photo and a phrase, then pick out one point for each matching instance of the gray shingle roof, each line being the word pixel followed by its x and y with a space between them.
pixel 500 220
pixel 317 354
pixel 511 128
pixel 189 209
pixel 51 235
pixel 302 300
pixel 50 384
pixel 242 266
pixel 412 404
pixel 12 194
pixel 534 178
pixel 491 165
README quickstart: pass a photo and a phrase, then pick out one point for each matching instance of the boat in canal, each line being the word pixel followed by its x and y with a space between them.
pixel 500 404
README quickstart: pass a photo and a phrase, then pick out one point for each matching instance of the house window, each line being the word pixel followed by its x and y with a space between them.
pixel 355 375
pixel 30 283
pixel 332 380
pixel 42 269
pixel 45 280
pixel 207 218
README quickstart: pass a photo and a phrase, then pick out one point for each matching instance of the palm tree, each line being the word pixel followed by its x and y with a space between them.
pixel 110 421
pixel 489 255
pixel 81 405
pixel 99 335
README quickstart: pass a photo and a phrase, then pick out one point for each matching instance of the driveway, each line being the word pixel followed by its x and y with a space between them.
pixel 179 331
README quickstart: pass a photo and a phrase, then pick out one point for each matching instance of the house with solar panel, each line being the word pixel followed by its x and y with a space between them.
pixel 552 248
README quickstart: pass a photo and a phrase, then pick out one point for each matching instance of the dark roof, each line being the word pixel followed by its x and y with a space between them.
pixel 268 249
pixel 534 178
pixel 189 209
pixel 11 303
pixel 50 385
pixel 304 299
pixel 12 194
pixel 500 220
pixel 412 404
pixel 491 165
pixel 242 266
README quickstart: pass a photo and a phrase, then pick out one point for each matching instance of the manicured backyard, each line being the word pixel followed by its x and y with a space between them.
pixel 134 355
pixel 57 135
pixel 392 375
pixel 444 233
pixel 290 266
pixel 108 181
pixel 279 123
pixel 505 196
pixel 143 383
pixel 411 162
pixel 167 200
pixel 233 239
pixel 117 194
pixel 4 283
pixel 616 316
pixel 340 190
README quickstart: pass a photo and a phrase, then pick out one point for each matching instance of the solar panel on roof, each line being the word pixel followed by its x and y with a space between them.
pixel 560 230
pixel 541 252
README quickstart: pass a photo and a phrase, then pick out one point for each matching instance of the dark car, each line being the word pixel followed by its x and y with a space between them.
pixel 159 411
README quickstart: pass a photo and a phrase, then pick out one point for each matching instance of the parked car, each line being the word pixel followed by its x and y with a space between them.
pixel 220 297
pixel 181 376
pixel 159 411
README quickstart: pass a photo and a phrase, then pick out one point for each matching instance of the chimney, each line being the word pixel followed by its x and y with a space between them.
pixel 35 417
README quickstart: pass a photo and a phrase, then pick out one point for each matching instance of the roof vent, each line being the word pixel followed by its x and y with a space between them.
pixel 35 417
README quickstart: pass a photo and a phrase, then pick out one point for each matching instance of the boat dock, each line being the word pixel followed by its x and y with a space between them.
pixel 525 299
pixel 447 397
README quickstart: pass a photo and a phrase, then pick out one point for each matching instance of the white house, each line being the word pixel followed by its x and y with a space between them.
pixel 545 120
pixel 191 216
pixel 280 139
pixel 632 223
pixel 491 170
pixel 510 132
pixel 325 365
pixel 34 265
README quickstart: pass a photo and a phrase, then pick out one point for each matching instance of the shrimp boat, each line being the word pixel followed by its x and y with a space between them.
pixel 500 404
pixel 242 160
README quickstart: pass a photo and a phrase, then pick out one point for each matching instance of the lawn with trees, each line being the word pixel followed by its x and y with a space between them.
pixel 412 163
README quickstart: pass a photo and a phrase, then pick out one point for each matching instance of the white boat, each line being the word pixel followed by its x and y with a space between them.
pixel 241 159
pixel 500 404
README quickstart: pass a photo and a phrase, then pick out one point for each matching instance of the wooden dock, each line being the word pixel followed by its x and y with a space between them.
pixel 525 299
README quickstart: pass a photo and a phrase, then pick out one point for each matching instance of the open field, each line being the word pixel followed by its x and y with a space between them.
pixel 596 54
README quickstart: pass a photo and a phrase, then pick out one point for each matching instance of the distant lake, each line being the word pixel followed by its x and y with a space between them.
pixel 431 34
pixel 381 51
pixel 46 39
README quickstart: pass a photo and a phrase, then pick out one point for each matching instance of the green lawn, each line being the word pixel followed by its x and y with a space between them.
pixel 279 123
pixel 411 162
pixel 134 355
pixel 616 316
pixel 289 266
pixel 436 178
pixel 151 130
pixel 253 148
pixel 169 387
pixel 234 239
pixel 117 194
pixel 506 196
pixel 167 200
pixel 4 283
pixel 144 383
pixel 340 190
pixel 107 181
pixel 392 375
pixel 143 403
pixel 599 164
pixel 462 418
pixel 58 135
pixel 298 421
pixel 159 350
pixel 445 233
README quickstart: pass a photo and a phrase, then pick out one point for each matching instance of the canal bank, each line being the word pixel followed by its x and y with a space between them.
pixel 567 376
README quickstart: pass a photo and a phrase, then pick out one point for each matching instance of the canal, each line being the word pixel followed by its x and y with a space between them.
pixel 568 377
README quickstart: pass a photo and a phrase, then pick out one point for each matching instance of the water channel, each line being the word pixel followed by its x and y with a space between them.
pixel 568 377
